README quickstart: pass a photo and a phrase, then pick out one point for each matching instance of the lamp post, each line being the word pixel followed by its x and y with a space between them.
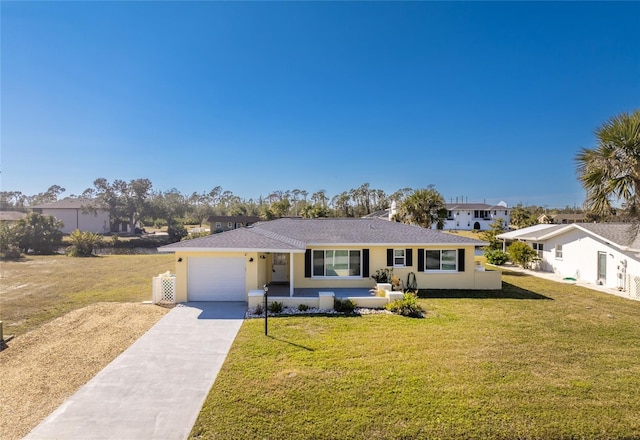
pixel 266 289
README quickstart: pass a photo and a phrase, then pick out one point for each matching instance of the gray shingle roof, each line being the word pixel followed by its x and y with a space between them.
pixel 623 234
pixel 295 234
pixel 67 203
pixel 241 239
pixel 11 216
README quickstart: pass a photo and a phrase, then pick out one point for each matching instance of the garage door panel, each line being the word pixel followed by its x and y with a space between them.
pixel 216 279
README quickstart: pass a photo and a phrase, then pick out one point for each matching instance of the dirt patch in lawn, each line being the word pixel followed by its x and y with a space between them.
pixel 42 368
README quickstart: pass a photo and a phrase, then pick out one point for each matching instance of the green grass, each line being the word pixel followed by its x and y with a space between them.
pixel 539 360
pixel 38 289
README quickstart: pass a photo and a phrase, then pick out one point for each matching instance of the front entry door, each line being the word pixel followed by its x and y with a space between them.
pixel 280 268
pixel 602 267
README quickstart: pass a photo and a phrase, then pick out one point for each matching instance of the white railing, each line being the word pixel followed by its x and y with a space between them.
pixel 164 289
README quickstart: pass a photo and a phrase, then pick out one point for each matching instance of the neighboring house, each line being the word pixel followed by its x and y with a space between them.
pixel 562 219
pixel 606 254
pixel 71 213
pixel 220 223
pixel 461 216
pixel 11 217
pixel 310 255
pixel 478 216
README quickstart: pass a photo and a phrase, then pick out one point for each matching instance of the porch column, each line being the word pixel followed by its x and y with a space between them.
pixel 291 274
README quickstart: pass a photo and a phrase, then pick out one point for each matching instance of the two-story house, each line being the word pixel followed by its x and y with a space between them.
pixel 475 216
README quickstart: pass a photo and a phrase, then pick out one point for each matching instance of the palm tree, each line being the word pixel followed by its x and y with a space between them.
pixel 611 171
pixel 423 207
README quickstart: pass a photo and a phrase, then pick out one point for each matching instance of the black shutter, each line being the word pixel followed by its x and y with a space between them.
pixel 365 263
pixel 307 263
pixel 460 260
pixel 409 257
pixel 390 257
pixel 421 260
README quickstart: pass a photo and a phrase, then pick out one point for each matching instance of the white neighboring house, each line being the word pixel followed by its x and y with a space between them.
pixel 478 216
pixel 461 216
pixel 606 254
pixel 70 212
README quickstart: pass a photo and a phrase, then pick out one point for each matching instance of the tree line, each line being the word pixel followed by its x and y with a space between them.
pixel 610 174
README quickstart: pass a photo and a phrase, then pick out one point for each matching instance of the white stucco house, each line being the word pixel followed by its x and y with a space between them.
pixel 71 212
pixel 462 216
pixel 478 216
pixel 606 254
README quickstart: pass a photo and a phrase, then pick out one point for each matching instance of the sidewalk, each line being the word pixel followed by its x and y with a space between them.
pixel 155 389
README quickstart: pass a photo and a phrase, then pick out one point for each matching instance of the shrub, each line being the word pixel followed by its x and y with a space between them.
pixel 83 244
pixel 407 306
pixel 9 242
pixel 176 233
pixel 39 233
pixel 303 307
pixel 159 223
pixel 497 256
pixel 344 305
pixel 396 283
pixel 521 253
pixel 195 235
pixel 383 275
pixel 275 307
pixel 258 310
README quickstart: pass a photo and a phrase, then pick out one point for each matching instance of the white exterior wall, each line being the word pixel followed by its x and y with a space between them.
pixel 75 219
pixel 464 220
pixel 580 260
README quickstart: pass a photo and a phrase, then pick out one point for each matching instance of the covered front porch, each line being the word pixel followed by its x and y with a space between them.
pixel 284 290
pixel 319 298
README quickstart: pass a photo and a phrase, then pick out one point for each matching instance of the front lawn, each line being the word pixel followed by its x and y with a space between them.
pixel 541 360
pixel 38 289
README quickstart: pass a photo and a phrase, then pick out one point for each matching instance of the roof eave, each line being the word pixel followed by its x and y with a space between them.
pixel 212 249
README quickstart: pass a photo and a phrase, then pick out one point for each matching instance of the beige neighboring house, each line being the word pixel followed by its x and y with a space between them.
pixel 11 217
pixel 220 223
pixel 306 258
pixel 562 219
pixel 71 212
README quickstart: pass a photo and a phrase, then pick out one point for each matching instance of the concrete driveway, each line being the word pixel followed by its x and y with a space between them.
pixel 154 389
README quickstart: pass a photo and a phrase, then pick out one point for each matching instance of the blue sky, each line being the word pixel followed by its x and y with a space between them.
pixel 486 100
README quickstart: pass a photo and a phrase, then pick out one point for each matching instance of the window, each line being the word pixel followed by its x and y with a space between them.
pixel 337 263
pixel 559 252
pixel 441 260
pixel 449 215
pixel 230 225
pixel 399 258
pixel 218 225
pixel 538 247
pixel 238 225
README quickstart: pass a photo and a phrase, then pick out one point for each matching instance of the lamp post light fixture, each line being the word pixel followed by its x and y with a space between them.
pixel 266 289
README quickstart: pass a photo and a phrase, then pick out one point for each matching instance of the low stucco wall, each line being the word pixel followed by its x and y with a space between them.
pixel 488 280
pixel 324 301
pixel 255 298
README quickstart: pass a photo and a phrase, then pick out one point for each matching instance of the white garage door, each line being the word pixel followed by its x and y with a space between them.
pixel 216 279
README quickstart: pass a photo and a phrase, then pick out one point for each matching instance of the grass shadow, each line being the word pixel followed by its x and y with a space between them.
pixel 290 343
pixel 508 291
